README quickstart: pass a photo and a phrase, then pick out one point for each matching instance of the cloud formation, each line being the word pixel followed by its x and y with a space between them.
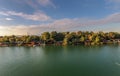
pixel 37 16
pixel 36 4
pixel 60 25
pixel 8 19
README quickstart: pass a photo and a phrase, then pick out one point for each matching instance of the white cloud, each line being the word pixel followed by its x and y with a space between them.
pixel 8 19
pixel 60 25
pixel 37 16
pixel 36 4
pixel 3 13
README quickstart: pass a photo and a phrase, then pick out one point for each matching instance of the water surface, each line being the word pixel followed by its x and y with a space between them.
pixel 60 61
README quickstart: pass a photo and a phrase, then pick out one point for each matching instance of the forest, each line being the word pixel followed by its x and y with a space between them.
pixel 62 38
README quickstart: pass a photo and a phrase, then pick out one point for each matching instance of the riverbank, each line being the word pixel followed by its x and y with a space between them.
pixel 33 44
pixel 62 39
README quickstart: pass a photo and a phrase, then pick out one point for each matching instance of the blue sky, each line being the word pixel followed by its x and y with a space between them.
pixel 35 16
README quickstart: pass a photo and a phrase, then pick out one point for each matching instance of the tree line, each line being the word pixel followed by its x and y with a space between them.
pixel 64 38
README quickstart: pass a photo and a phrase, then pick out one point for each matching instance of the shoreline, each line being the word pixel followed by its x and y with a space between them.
pixel 62 39
pixel 58 45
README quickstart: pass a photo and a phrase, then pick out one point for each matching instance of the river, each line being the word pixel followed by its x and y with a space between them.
pixel 60 61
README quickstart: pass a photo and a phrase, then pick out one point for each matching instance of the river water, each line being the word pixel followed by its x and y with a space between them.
pixel 60 61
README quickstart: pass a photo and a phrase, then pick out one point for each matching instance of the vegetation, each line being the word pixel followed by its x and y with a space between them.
pixel 62 38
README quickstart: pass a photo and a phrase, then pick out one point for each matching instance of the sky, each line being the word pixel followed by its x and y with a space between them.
pixel 21 17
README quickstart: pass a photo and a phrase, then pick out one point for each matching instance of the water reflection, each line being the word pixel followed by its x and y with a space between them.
pixel 60 61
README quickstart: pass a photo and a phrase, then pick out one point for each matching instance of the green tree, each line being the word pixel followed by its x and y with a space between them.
pixel 45 36
pixel 82 39
pixel 97 39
